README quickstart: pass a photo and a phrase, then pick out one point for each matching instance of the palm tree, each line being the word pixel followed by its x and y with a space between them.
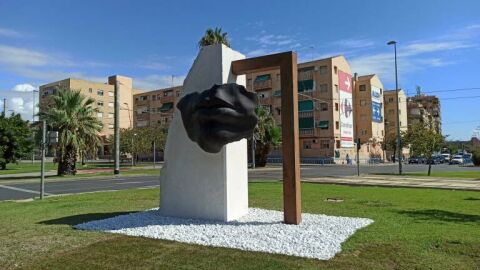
pixel 74 117
pixel 267 135
pixel 214 36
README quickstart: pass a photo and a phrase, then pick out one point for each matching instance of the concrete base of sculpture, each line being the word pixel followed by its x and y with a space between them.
pixel 194 183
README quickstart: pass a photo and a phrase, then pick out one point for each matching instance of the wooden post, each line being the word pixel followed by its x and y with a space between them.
pixel 287 63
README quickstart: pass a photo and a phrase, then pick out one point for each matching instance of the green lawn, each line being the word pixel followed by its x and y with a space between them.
pixel 27 167
pixel 452 174
pixel 413 229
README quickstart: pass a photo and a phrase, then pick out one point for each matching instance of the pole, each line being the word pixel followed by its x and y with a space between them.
pixel 42 173
pixel 399 143
pixel 116 127
pixel 132 150
pixel 5 106
pixel 253 151
pixel 358 156
pixel 154 153
pixel 399 140
pixel 33 121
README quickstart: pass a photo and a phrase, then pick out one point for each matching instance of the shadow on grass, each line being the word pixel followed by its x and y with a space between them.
pixel 472 199
pixel 79 219
pixel 440 215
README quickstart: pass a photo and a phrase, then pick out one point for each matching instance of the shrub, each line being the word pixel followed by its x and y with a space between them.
pixel 476 158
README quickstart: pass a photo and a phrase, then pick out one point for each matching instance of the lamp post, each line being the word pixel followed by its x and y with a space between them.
pixel 394 43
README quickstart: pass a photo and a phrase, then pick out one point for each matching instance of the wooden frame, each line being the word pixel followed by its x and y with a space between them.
pixel 287 63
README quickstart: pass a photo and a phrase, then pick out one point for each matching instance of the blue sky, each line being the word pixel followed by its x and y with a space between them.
pixel 438 42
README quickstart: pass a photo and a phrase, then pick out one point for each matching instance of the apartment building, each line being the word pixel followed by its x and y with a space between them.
pixel 155 107
pixel 103 94
pixel 325 106
pixel 425 109
pixel 390 101
pixel 369 115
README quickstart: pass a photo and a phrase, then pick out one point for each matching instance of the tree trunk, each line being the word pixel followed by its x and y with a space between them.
pixel 261 153
pixel 429 167
pixel 67 162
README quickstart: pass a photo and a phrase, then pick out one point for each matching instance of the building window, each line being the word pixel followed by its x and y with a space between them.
pixel 90 90
pixel 390 100
pixel 324 144
pixel 323 87
pixel 143 98
pixel 110 115
pixel 391 111
pixel 324 107
pixel 323 69
pixel 336 106
pixel 99 115
pixel 306 85
pixel 363 117
pixel 336 88
pixel 323 124
pixel 338 143
pixel 381 91
pixel 110 104
pixel 110 93
pixel 337 125
pixel 279 111
pixel 100 92
pixel 154 97
pixel 363 102
pixel 307 145
pixel 278 77
pixel 363 87
pixel 99 103
pixel 110 126
pixel 335 69
pixel 305 106
pixel 277 93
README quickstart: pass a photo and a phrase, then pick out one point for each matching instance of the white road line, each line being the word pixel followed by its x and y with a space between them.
pixel 24 190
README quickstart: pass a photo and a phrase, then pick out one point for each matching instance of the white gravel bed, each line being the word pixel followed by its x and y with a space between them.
pixel 318 236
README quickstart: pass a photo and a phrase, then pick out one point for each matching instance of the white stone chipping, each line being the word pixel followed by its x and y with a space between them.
pixel 318 236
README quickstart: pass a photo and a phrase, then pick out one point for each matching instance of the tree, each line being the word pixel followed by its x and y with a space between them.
pixel 15 139
pixel 75 118
pixel 424 141
pixel 476 158
pixel 136 141
pixel 390 143
pixel 214 36
pixel 267 135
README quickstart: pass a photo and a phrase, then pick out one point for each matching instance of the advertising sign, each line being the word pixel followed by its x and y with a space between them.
pixel 376 105
pixel 346 109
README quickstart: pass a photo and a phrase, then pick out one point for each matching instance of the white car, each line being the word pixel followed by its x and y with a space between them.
pixel 457 159
pixel 446 157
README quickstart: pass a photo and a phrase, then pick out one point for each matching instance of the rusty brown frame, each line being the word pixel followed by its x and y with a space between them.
pixel 287 63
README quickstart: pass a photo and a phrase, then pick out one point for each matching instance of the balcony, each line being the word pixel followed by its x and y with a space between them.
pixel 305 75
pixel 306 132
pixel 305 114
pixel 167 99
pixel 262 85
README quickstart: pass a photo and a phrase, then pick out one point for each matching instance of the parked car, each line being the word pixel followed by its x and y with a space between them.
pixel 457 159
pixel 417 160
pixel 446 157
pixel 435 160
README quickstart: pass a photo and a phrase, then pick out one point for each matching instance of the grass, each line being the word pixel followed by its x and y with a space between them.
pixel 449 174
pixel 27 167
pixel 413 229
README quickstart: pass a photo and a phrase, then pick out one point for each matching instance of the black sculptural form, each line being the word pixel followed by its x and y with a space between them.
pixel 220 115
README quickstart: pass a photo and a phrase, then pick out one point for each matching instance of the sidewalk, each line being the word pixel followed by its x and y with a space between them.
pixel 400 181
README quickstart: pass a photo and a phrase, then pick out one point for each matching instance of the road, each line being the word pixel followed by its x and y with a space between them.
pixel 27 190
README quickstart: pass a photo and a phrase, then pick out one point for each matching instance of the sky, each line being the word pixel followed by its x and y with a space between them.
pixel 151 41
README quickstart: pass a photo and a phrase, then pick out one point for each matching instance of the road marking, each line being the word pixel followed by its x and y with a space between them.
pixel 24 190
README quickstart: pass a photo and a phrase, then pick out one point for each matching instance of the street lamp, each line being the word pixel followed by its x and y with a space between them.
pixel 394 43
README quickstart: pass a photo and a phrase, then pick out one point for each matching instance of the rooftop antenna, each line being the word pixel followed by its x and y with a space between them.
pixel 172 80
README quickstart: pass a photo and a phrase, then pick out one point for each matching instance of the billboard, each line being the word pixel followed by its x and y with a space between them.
pixel 376 105
pixel 346 109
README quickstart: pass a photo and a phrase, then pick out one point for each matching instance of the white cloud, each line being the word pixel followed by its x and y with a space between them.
pixel 354 43
pixel 20 102
pixel 10 33
pixel 154 81
pixel 24 87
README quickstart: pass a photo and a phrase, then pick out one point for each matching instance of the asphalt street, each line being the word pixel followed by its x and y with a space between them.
pixel 28 190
